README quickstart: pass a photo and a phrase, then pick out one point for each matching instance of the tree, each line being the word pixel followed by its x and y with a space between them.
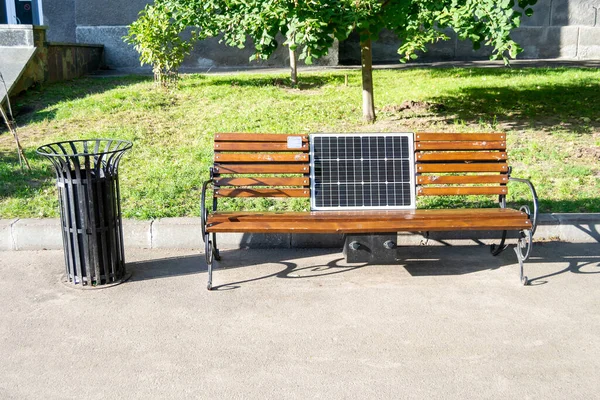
pixel 300 23
pixel 421 22
pixel 315 24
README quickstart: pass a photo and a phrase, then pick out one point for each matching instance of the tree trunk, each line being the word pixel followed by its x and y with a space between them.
pixel 293 68
pixel 366 57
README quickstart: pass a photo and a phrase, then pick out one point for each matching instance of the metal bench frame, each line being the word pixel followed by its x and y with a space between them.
pixel 525 236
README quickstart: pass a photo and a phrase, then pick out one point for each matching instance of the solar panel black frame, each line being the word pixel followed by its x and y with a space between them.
pixel 405 183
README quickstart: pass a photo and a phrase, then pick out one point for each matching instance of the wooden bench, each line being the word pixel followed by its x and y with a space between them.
pixel 262 165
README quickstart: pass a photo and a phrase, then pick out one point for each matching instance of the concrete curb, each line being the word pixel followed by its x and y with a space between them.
pixel 184 233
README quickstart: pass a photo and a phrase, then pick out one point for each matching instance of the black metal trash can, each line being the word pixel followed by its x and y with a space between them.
pixel 90 208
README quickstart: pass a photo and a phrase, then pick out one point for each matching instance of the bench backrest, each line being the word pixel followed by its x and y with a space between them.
pixel 450 164
pixel 262 159
pixel 262 165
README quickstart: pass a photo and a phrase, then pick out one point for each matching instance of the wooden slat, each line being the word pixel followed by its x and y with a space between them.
pixel 246 192
pixel 261 157
pixel 256 146
pixel 475 167
pixel 462 156
pixel 317 226
pixel 461 190
pixel 424 136
pixel 461 179
pixel 461 145
pixel 371 215
pixel 256 137
pixel 274 168
pixel 259 181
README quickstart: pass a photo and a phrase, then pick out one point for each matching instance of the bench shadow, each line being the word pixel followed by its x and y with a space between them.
pixel 589 230
pixel 242 258
pixel 416 260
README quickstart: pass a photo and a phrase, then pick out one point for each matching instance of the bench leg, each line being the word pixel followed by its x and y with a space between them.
pixel 523 278
pixel 209 255
pixel 523 249
pixel 495 250
pixel 217 254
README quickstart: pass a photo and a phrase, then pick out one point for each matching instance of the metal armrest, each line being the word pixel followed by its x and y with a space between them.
pixel 203 210
pixel 534 218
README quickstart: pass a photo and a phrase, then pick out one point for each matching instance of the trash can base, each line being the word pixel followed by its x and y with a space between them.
pixel 65 281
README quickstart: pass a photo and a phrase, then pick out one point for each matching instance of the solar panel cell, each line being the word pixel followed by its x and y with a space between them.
pixel 362 171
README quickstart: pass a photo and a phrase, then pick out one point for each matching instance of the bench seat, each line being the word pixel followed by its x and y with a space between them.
pixel 368 221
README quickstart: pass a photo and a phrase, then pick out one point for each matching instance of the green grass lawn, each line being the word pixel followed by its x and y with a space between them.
pixel 551 117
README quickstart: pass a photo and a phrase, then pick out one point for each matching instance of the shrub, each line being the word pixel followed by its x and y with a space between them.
pixel 159 41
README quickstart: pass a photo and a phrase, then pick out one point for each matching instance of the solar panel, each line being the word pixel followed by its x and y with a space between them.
pixel 362 171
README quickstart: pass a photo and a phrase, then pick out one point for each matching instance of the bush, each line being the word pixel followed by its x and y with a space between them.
pixel 158 40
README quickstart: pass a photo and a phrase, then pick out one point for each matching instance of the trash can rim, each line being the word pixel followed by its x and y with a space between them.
pixel 42 149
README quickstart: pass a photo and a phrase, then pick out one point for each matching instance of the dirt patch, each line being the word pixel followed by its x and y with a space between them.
pixel 302 87
pixel 588 152
pixel 414 107
pixel 412 124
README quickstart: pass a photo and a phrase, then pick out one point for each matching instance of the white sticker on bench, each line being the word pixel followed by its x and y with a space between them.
pixel 294 142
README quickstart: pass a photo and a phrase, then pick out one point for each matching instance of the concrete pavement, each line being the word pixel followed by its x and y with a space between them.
pixel 446 322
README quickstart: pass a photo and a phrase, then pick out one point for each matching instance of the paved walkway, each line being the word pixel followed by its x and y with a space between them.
pixel 446 322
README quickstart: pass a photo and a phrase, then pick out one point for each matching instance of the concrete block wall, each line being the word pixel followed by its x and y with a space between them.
pixel 568 29
pixel 105 22
pixel 59 17
pixel 16 36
